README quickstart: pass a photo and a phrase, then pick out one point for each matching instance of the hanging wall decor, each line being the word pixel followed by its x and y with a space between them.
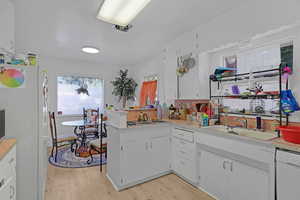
pixel 184 64
pixel 12 77
pixel 45 96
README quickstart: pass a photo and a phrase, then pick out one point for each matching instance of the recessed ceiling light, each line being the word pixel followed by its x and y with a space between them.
pixel 121 12
pixel 91 50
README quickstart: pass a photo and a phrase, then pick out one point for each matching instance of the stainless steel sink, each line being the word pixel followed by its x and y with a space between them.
pixel 134 123
pixel 245 132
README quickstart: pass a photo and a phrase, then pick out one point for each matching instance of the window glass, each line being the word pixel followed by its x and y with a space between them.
pixel 75 93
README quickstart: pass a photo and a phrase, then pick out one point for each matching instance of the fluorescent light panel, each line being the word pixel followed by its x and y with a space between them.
pixel 121 12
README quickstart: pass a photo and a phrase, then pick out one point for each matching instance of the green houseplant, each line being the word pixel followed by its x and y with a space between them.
pixel 124 87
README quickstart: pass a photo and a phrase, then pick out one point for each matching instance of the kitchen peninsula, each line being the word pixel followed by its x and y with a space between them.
pixel 200 156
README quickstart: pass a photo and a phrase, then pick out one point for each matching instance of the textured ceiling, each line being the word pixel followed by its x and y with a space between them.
pixel 59 28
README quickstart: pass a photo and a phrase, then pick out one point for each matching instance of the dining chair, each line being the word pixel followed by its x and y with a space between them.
pixel 58 142
pixel 99 145
pixel 91 117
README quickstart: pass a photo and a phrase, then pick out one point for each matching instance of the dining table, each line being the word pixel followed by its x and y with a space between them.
pixel 79 126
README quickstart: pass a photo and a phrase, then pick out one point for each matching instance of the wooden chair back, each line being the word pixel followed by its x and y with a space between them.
pixel 53 129
pixel 91 116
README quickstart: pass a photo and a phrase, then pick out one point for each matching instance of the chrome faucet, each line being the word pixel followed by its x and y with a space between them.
pixel 230 128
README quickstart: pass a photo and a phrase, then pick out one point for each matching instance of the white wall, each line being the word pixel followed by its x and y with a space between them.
pixel 7 21
pixel 251 18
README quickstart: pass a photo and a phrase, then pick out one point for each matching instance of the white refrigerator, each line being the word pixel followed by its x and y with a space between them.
pixel 23 122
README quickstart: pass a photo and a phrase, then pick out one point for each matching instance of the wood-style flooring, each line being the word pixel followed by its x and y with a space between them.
pixel 89 184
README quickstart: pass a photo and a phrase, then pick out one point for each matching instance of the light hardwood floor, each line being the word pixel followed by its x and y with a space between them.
pixel 88 183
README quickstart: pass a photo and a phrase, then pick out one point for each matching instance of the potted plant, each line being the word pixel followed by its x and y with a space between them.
pixel 124 87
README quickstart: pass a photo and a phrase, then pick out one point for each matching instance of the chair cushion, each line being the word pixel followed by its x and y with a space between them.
pixel 66 139
pixel 96 143
pixel 90 130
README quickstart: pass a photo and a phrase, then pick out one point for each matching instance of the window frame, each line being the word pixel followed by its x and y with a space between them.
pixel 78 75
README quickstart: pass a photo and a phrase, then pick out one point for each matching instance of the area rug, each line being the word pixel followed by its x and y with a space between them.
pixel 67 159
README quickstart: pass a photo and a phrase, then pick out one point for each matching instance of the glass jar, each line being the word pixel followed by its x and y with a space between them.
pixel 32 59
pixel 2 59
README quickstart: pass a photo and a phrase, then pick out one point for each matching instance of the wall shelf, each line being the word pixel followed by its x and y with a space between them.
pixel 259 96
pixel 238 78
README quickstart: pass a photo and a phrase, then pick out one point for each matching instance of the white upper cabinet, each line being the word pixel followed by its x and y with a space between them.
pixel 7 21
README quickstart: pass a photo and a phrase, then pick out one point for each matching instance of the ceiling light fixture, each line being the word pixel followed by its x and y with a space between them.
pixel 121 12
pixel 91 50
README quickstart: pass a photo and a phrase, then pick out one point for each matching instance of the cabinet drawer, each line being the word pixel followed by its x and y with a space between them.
pixel 183 148
pixel 184 134
pixel 185 168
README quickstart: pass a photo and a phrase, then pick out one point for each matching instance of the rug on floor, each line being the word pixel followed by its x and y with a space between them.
pixel 67 159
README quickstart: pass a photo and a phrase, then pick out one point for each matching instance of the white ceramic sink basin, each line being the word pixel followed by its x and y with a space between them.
pixel 246 132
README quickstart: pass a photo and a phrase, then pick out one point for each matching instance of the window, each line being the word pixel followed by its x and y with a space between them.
pixel 75 93
pixel 287 52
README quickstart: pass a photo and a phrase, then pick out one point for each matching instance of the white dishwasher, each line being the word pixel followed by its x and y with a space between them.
pixel 288 175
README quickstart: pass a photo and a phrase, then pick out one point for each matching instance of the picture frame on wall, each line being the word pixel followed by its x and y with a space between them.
pixel 230 62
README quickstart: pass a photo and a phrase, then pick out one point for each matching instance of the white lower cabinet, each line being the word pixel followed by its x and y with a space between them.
pixel 134 161
pixel 138 154
pixel 144 158
pixel 248 183
pixel 213 175
pixel 184 154
pixel 8 190
pixel 160 151
pixel 8 176
pixel 226 179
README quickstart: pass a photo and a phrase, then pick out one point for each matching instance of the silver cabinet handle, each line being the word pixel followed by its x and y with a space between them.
pixel 292 164
pixel 11 160
pixel 183 152
pixel 2 182
pixel 231 166
pixel 224 167
pixel 12 192
pixel 146 146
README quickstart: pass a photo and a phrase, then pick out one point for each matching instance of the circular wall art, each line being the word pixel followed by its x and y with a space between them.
pixel 11 78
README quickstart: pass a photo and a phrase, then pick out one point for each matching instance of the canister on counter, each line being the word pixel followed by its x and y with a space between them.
pixel 32 59
pixel 2 59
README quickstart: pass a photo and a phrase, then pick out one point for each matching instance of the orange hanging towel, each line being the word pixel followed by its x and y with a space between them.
pixel 148 91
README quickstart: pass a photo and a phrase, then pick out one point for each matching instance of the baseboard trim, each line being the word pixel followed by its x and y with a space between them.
pixel 112 182
pixel 123 187
pixel 200 188
pixel 120 188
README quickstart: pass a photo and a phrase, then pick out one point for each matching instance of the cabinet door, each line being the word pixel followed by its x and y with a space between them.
pixel 8 190
pixel 160 153
pixel 214 175
pixel 135 161
pixel 288 176
pixel 248 183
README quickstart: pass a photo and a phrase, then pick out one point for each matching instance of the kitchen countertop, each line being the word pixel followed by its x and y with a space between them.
pixel 275 142
pixel 282 144
pixel 5 146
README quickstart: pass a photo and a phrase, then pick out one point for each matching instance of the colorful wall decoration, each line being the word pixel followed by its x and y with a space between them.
pixel 12 77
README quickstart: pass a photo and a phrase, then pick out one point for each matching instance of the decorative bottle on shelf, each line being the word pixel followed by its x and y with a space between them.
pixel 159 111
pixel 172 111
